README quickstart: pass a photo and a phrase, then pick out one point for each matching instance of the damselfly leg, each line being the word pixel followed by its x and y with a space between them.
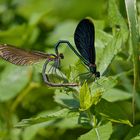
pixel 47 81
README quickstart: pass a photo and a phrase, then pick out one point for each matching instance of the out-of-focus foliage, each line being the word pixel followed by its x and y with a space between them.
pixel 102 110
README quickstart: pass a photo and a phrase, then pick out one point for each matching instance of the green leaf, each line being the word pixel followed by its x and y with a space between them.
pixel 96 96
pixel 120 36
pixel 73 73
pixel 66 99
pixel 13 80
pixel 63 113
pixel 103 36
pixel 27 9
pixel 68 123
pixel 131 10
pixel 112 112
pixel 115 94
pixel 63 31
pixel 15 35
pixel 104 83
pixel 115 18
pixel 133 132
pixel 133 23
pixel 63 124
pixel 112 48
pixel 101 40
pixel 85 97
pixel 136 138
pixel 33 130
pixel 100 133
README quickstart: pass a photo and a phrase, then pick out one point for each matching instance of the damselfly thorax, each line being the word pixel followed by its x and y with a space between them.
pixel 92 69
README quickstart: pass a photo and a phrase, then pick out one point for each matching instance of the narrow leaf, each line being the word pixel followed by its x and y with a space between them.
pixel 64 113
pixel 85 97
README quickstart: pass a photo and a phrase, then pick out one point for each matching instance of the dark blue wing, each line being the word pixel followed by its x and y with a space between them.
pixel 84 40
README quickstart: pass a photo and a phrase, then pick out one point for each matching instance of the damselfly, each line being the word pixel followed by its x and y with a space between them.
pixel 21 57
pixel 84 38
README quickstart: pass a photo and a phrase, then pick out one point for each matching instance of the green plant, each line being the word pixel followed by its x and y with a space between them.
pixel 101 110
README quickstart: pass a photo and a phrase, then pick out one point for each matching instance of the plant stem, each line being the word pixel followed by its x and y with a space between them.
pixel 23 94
pixel 134 37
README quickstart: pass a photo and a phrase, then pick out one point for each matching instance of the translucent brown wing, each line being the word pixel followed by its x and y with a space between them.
pixel 19 56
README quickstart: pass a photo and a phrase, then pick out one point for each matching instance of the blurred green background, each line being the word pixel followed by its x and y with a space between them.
pixel 38 25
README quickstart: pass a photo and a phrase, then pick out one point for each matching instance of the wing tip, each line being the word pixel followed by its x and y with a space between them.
pixel 86 20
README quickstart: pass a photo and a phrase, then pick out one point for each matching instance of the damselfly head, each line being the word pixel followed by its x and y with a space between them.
pixel 61 55
pixel 97 74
